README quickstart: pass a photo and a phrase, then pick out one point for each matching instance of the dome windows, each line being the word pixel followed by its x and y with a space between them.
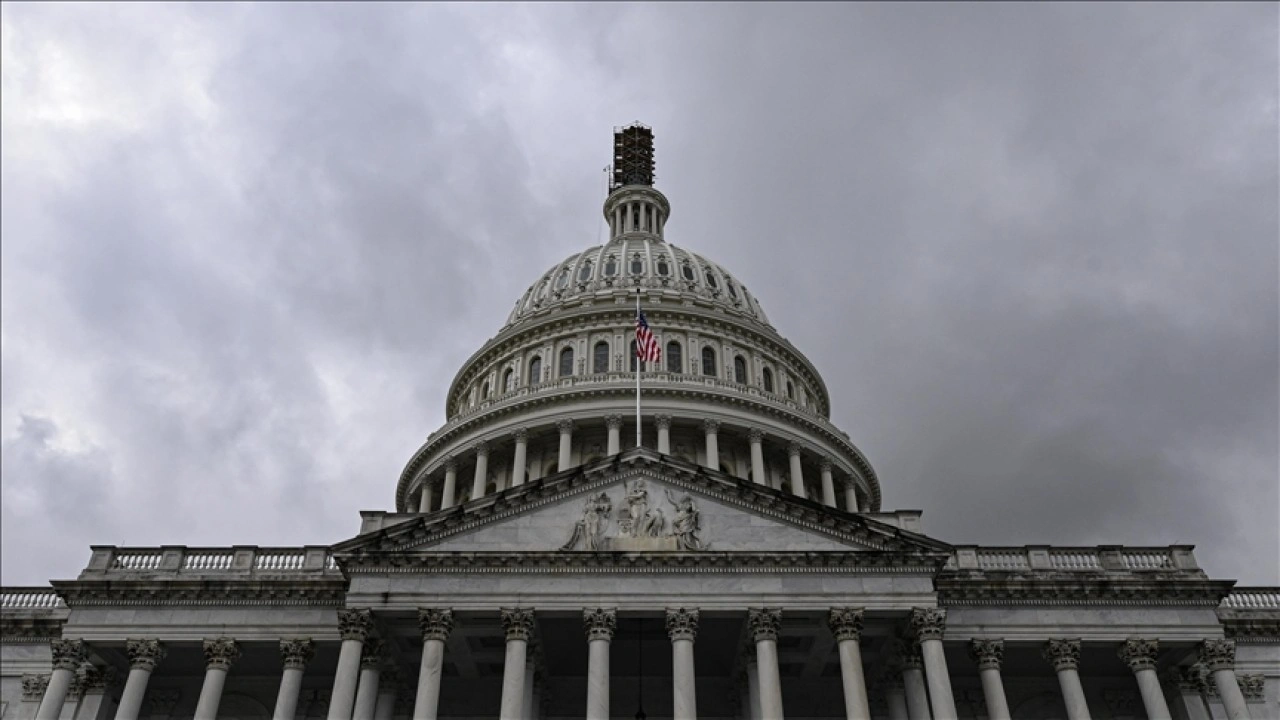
pixel 675 358
pixel 791 391
pixel 711 278
pixel 637 264
pixel 733 291
pixel 562 281
pixel 708 361
pixel 535 371
pixel 585 273
pixel 768 380
pixel 664 269
pixel 687 271
pixel 600 358
pixel 611 266
pixel 566 362
pixel 484 390
pixel 508 380
pixel 740 370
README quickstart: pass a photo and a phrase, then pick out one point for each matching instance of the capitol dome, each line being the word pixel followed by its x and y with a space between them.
pixel 555 389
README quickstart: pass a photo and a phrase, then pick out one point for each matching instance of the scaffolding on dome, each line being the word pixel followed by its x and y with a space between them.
pixel 632 156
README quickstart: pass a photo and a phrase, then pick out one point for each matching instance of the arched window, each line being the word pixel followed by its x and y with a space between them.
pixel 508 380
pixel 566 362
pixel 708 361
pixel 675 358
pixel 768 380
pixel 791 391
pixel 484 390
pixel 740 370
pixel 535 371
pixel 600 358
pixel 585 273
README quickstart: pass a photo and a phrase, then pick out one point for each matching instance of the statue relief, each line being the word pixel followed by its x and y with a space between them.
pixel 640 528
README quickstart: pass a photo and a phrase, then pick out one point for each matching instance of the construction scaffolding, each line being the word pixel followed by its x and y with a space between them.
pixel 632 156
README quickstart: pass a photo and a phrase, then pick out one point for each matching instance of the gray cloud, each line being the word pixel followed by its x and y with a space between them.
pixel 1033 249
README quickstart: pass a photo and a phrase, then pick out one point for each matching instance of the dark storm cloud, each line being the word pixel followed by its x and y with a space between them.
pixel 1031 248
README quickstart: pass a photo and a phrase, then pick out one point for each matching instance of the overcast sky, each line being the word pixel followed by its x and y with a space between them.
pixel 1032 249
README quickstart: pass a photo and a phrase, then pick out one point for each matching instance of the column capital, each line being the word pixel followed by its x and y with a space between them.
pixel 824 464
pixel 600 623
pixel 68 654
pixel 682 623
pixel 144 653
pixel 565 426
pixel 1062 654
pixel 793 448
pixel 1218 654
pixel 928 623
pixel 518 623
pixel 371 653
pixel 521 434
pixel 989 654
pixel 755 435
pixel 1138 653
pixel 297 652
pixel 450 464
pixel 662 421
pixel 710 425
pixel 354 624
pixel 480 448
pixel 764 623
pixel 1190 678
pixel 613 422
pixel 388 679
pixel 846 623
pixel 1252 686
pixel 435 623
pixel 97 678
pixel 909 655
pixel 33 686
pixel 220 653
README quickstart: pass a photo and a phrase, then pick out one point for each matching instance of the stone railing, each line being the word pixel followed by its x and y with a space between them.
pixel 1252 598
pixel 1073 559
pixel 240 560
pixel 30 598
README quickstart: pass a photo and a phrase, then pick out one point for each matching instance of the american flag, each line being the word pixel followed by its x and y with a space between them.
pixel 646 344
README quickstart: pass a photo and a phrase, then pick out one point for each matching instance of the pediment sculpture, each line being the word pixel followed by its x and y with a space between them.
pixel 639 526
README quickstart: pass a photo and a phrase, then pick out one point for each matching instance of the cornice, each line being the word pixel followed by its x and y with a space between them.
pixel 573 394
pixel 30 630
pixel 1059 588
pixel 312 592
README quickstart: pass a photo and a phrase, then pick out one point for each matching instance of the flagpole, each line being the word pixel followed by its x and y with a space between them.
pixel 639 360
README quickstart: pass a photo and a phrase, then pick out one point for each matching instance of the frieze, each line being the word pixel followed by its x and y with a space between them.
pixel 1053 588
pixel 1252 630
pixel 639 526
pixel 315 592
pixel 30 630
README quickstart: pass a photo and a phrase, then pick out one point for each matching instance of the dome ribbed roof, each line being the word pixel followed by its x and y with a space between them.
pixel 620 266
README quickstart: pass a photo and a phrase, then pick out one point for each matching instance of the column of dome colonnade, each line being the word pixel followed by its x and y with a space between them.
pixel 559 440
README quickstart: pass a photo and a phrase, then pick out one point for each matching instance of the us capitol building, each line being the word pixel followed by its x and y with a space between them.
pixel 735 563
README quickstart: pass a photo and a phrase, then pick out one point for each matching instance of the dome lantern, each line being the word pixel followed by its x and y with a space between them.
pixel 634 208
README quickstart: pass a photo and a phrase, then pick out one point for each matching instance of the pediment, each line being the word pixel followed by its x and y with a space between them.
pixel 640 502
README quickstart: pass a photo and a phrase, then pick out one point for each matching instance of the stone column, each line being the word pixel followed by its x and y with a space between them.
pixel 425 496
pixel 913 682
pixel 614 423
pixel 385 708
pixel 436 624
pixel 712 429
pixel 68 656
pixel 370 671
pixel 797 473
pixel 518 460
pixel 846 625
pixel 1140 656
pixel 353 628
pixel 219 655
pixel 664 433
pixel 895 698
pixel 682 628
pixel 1189 685
pixel 94 684
pixel 296 653
pixel 1219 656
pixel 756 436
pixel 1064 655
pixel 753 688
pixel 828 484
pixel 481 477
pixel 518 624
pixel 989 654
pixel 851 498
pixel 530 679
pixel 449 495
pixel 928 624
pixel 144 655
pixel 566 443
pixel 33 691
pixel 763 624
pixel 600 624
